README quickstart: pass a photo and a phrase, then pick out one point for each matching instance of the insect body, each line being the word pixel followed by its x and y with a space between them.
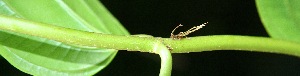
pixel 184 34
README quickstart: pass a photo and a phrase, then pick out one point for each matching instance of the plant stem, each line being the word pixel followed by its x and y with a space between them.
pixel 230 42
pixel 89 39
pixel 149 44
pixel 166 59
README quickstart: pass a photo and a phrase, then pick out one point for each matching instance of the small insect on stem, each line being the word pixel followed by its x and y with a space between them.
pixel 184 34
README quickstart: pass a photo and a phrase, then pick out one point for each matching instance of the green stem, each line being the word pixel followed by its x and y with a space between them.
pixel 230 42
pixel 149 44
pixel 88 39
pixel 166 59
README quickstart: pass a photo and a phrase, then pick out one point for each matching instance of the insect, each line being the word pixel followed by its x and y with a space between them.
pixel 184 34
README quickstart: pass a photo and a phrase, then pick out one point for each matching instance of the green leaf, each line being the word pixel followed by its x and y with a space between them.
pixel 40 56
pixel 281 18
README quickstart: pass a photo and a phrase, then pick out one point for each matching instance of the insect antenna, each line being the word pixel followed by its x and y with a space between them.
pixel 175 29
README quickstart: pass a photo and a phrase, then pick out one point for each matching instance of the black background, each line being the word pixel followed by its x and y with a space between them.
pixel 159 17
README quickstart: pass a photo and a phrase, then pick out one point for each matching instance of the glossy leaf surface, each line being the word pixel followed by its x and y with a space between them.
pixel 281 18
pixel 40 56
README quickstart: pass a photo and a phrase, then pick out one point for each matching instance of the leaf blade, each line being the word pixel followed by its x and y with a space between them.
pixel 281 18
pixel 68 61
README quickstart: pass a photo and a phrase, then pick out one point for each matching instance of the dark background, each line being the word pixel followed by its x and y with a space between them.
pixel 159 17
